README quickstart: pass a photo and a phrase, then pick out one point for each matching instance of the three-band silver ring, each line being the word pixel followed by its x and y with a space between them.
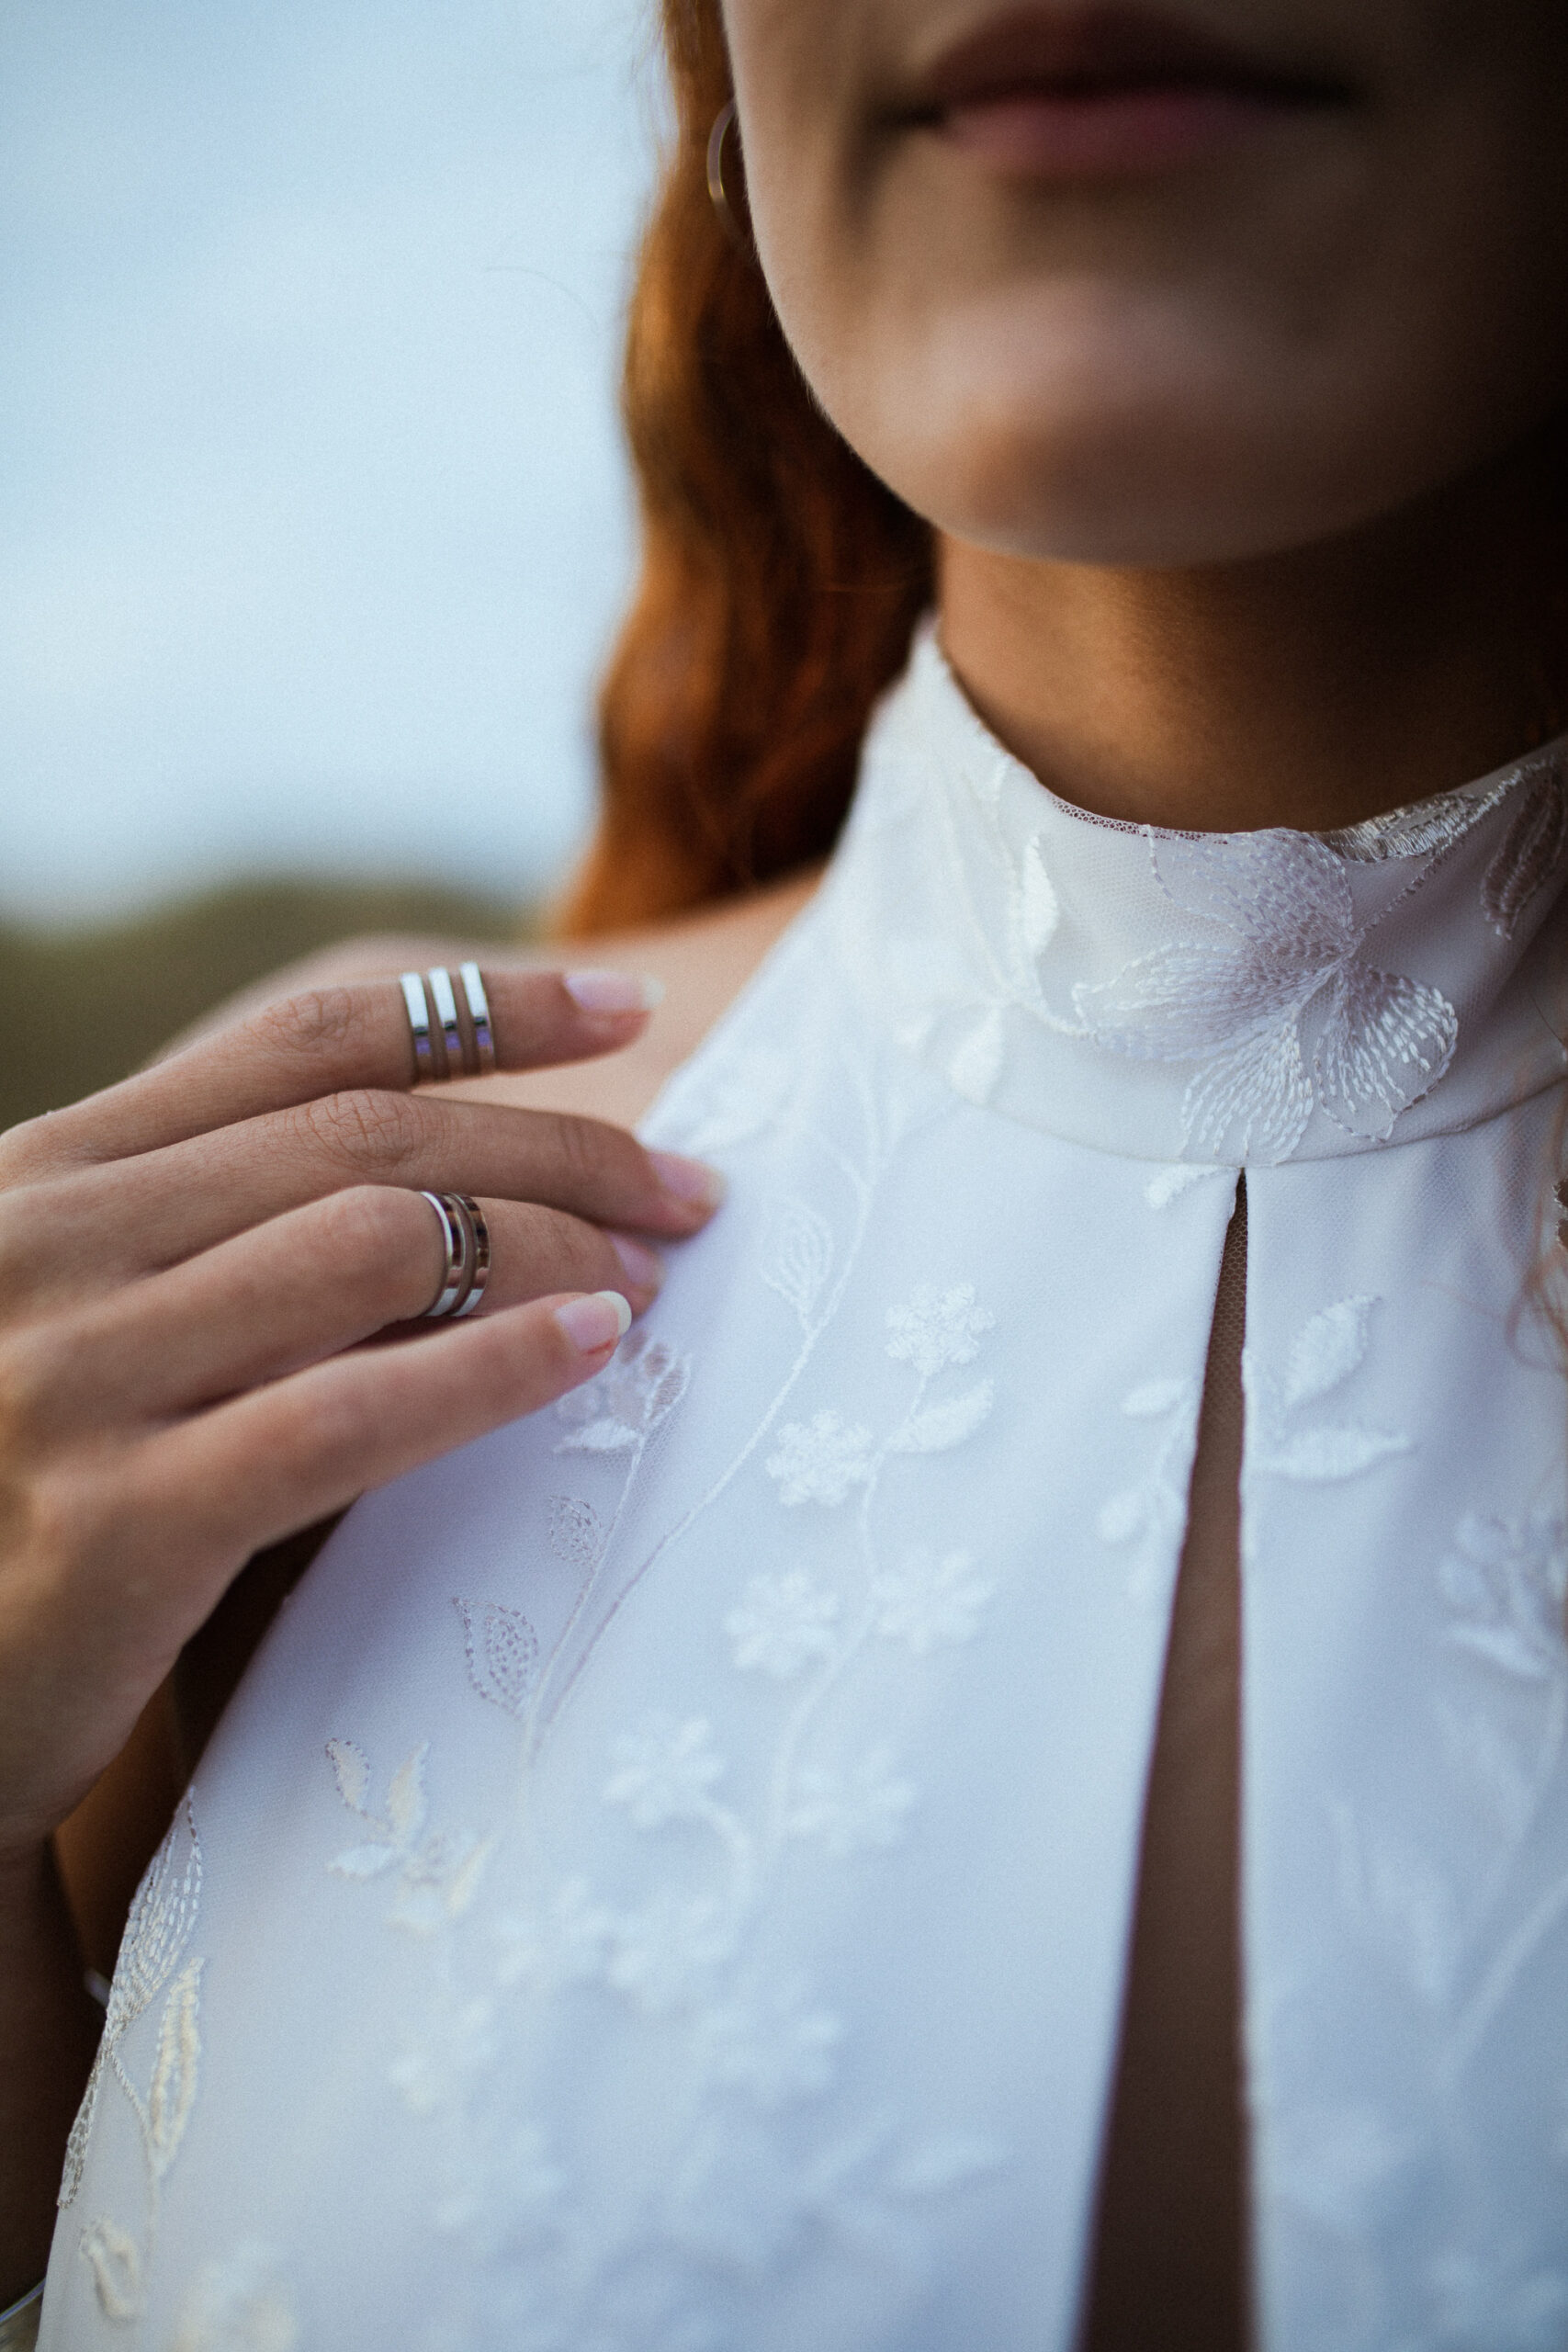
pixel 445 1047
pixel 465 1237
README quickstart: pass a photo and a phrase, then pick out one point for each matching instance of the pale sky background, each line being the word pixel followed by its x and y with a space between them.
pixel 313 522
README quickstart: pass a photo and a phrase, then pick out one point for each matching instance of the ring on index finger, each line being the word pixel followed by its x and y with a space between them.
pixel 465 1237
pixel 443 1047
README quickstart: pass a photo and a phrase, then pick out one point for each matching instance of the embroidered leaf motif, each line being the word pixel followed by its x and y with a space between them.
pixel 620 1409
pixel 1322 1456
pixel 1283 941
pixel 504 1653
pixel 1329 1348
pixel 935 1427
pixel 819 1461
pixel 576 1534
pixel 743 1097
pixel 1038 911
pixel 802 1259
pixel 162 1917
pixel 114 2260
pixel 351 1771
pixel 405 1796
pixel 782 1623
pixel 172 2092
pixel 1532 849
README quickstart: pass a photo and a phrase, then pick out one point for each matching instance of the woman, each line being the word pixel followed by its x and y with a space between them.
pixel 750 1854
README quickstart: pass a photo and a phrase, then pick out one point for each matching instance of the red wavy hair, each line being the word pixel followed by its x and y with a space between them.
pixel 780 579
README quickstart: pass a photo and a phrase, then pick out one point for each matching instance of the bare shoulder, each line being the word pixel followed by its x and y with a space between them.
pixel 703 961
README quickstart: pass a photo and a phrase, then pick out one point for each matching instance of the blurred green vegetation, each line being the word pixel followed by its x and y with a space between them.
pixel 79 1009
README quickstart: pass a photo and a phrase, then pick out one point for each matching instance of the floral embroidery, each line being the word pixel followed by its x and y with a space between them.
pixel 1532 851
pixel 438 1873
pixel 774 2050
pixel 926 1602
pixel 157 1933
pixel 576 1535
pixel 801 1260
pixel 503 1652
pixel 664 1771
pixel 819 1461
pixel 1329 1348
pixel 1285 944
pixel 620 1409
pixel 936 1329
pixel 782 1623
pixel 739 1101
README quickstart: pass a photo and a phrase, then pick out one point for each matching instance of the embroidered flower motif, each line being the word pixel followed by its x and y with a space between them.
pixel 1507 1580
pixel 926 1600
pixel 775 2049
pixel 936 1329
pixel 782 1623
pixel 853 1812
pixel 1329 1348
pixel 819 1461
pixel 1286 944
pixel 664 1771
pixel 620 1409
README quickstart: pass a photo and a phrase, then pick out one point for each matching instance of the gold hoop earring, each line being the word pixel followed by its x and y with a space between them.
pixel 739 236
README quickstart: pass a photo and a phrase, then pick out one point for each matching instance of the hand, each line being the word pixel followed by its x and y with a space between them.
pixel 191 1265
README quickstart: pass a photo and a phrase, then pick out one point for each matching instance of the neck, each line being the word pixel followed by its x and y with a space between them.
pixel 1310 689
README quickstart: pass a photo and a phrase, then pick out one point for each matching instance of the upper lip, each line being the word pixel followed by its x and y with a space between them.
pixel 1079 51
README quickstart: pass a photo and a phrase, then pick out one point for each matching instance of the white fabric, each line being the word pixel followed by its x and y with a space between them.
pixel 665 1882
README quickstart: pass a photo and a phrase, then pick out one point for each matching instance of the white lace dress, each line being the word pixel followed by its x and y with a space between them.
pixel 664 1883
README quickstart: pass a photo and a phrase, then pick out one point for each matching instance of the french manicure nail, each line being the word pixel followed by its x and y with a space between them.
pixel 643 1267
pixel 596 1321
pixel 614 991
pixel 689 1180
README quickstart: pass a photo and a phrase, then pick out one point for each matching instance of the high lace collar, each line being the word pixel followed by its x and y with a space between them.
pixel 1217 999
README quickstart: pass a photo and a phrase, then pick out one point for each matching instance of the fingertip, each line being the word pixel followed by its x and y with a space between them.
pixel 599 1320
pixel 692 1184
pixel 615 994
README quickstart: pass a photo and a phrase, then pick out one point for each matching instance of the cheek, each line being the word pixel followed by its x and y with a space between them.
pixel 1222 378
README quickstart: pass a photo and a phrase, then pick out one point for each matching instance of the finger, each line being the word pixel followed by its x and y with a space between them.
pixel 229 1481
pixel 321 1043
pixel 303 1287
pixel 110 1225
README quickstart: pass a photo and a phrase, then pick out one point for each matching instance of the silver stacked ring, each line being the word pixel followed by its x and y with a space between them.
pixel 441 1047
pixel 465 1237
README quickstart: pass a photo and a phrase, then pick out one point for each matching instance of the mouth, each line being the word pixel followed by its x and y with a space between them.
pixel 1105 94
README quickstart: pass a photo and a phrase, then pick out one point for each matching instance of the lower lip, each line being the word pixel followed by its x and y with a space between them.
pixel 1116 134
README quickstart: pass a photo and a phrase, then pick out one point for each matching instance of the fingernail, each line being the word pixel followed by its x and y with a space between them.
pixel 689 1180
pixel 614 991
pixel 643 1267
pixel 596 1322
